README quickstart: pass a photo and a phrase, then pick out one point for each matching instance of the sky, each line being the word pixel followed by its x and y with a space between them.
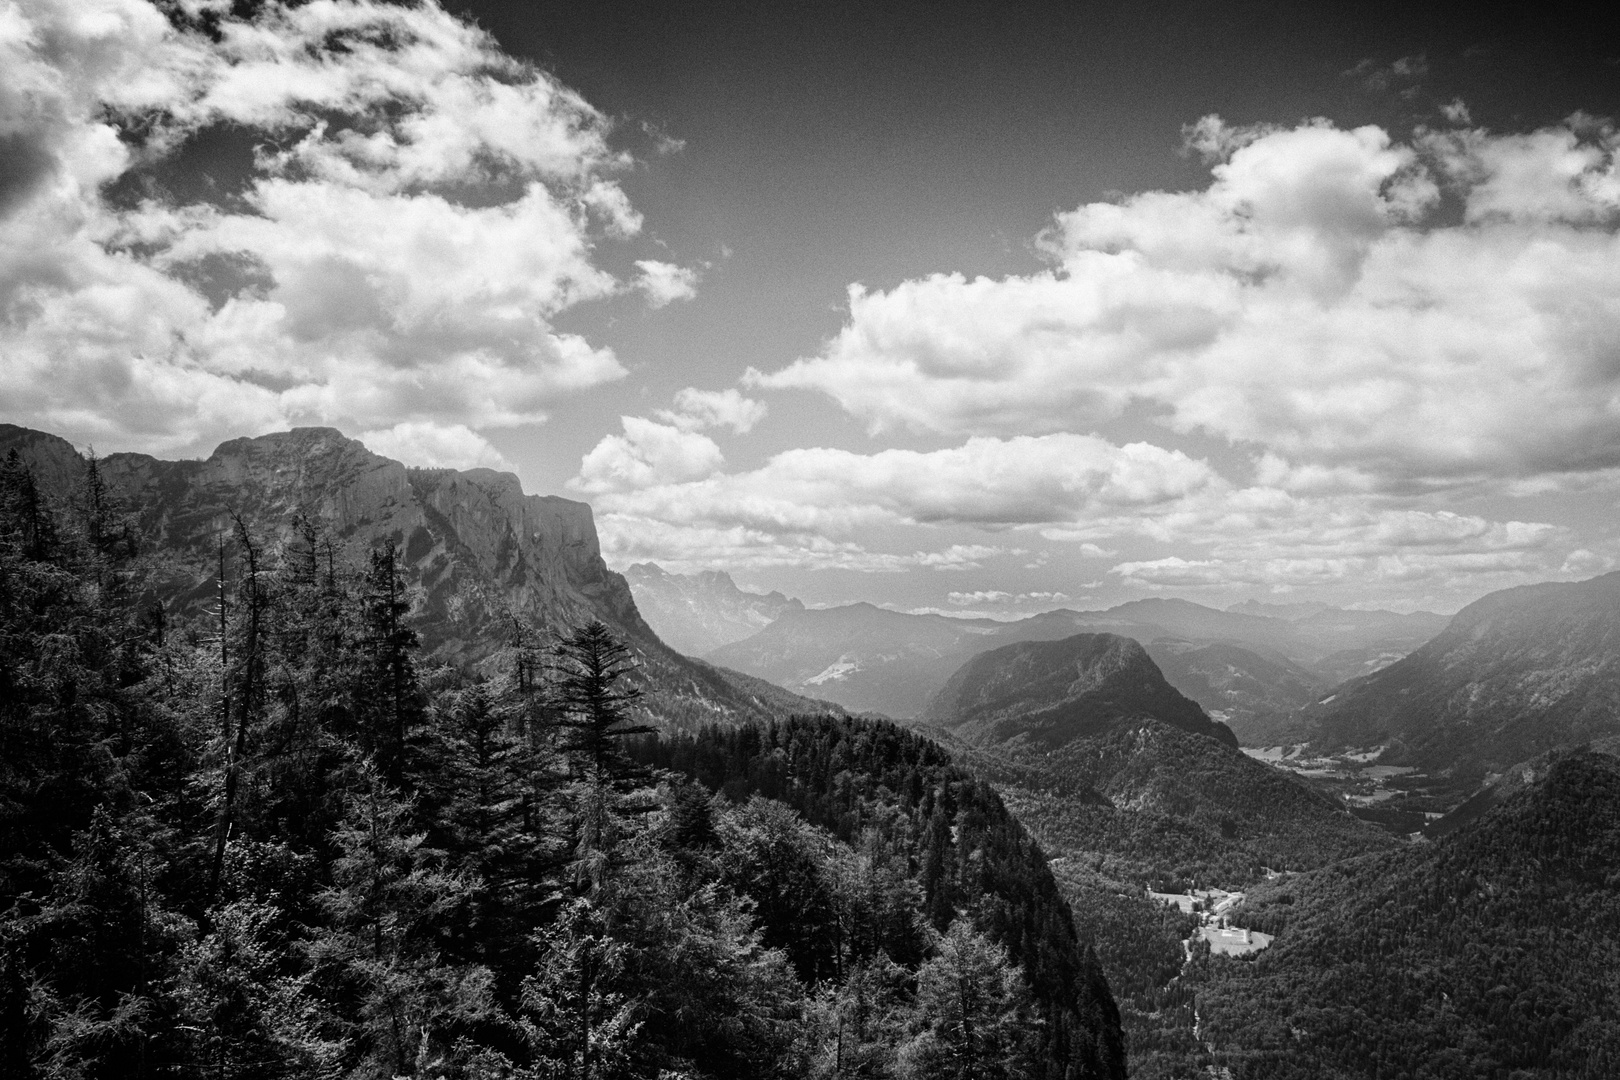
pixel 961 307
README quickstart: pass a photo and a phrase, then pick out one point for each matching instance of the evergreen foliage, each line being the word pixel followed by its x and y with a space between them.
pixel 267 844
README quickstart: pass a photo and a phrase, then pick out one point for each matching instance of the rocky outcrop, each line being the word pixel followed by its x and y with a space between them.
pixel 482 555
pixel 698 613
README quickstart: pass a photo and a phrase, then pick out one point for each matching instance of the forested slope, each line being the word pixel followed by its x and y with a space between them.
pixel 1492 952
pixel 271 843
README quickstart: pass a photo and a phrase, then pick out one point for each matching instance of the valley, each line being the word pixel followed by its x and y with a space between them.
pixel 1189 846
pixel 1172 849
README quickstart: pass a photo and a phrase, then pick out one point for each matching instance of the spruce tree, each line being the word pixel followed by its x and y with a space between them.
pixel 592 701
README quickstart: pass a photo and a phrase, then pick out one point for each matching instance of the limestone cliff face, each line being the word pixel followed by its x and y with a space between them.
pixel 480 553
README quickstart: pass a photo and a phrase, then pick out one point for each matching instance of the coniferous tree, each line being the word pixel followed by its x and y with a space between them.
pixel 974 1012
pixel 377 956
pixel 389 695
pixel 592 701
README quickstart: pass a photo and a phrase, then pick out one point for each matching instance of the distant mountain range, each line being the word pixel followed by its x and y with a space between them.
pixel 698 613
pixel 483 557
pixel 872 659
pixel 1514 675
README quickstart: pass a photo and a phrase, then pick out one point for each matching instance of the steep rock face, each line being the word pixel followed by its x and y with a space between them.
pixel 1053 692
pixel 482 555
pixel 1515 674
pixel 698 613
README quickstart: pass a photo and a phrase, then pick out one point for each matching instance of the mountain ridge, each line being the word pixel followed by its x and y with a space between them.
pixel 1515 674
pixel 485 559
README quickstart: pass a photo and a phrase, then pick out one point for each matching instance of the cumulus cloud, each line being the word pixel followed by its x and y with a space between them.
pixel 1000 598
pixel 664 283
pixel 436 446
pixel 697 409
pixel 985 482
pixel 683 548
pixel 1309 302
pixel 662 493
pixel 647 455
pixel 419 208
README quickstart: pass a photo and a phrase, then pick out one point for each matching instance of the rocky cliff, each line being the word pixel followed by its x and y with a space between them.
pixel 482 555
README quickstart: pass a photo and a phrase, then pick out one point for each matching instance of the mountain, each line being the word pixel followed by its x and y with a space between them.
pixel 698 613
pixel 866 658
pixel 275 845
pixel 1279 611
pixel 1515 674
pixel 871 659
pixel 1130 786
pixel 1349 643
pixel 1254 694
pixel 1490 952
pixel 482 556
pixel 1049 693
pixel 1064 722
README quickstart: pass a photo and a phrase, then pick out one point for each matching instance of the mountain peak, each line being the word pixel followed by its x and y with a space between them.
pixel 1052 692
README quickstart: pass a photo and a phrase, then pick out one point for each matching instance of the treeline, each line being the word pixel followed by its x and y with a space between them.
pixel 267 845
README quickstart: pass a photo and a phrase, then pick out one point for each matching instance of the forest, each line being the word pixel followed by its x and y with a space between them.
pixel 1491 953
pixel 269 843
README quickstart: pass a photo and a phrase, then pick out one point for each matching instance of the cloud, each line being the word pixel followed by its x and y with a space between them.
pixel 1474 571
pixel 998 597
pixel 984 482
pixel 627 539
pixel 1379 77
pixel 697 409
pixel 662 493
pixel 648 454
pixel 434 446
pixel 664 283
pixel 1311 302
pixel 419 209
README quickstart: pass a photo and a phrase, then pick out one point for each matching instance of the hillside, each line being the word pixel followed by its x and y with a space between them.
pixel 872 784
pixel 483 559
pixel 1049 693
pixel 1491 952
pixel 1254 694
pixel 698 613
pixel 1515 674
